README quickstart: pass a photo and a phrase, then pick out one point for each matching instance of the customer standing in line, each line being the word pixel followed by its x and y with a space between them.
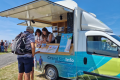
pixel 11 44
pixel 2 46
pixel 6 45
pixel 25 62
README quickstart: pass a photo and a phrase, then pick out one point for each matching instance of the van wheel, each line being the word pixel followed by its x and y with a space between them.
pixel 51 73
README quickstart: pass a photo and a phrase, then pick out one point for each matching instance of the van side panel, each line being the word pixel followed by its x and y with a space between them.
pixel 66 65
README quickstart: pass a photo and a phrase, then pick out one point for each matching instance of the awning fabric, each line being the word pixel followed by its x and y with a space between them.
pixel 41 9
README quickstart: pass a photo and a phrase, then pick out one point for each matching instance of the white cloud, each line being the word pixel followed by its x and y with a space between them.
pixel 7 37
pixel 111 22
pixel 8 30
pixel 6 23
pixel 112 19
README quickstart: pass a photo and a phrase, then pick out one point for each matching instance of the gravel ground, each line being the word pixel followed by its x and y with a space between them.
pixel 6 59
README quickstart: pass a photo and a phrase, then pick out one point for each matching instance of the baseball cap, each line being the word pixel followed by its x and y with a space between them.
pixel 30 28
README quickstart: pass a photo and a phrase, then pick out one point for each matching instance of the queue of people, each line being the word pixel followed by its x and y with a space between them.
pixel 3 46
pixel 26 62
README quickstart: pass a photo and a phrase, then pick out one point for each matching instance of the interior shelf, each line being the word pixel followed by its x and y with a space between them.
pixel 60 24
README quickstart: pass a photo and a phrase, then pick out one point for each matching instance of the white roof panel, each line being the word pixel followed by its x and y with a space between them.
pixel 91 23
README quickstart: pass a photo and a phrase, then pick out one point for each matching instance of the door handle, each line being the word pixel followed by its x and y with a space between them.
pixel 85 60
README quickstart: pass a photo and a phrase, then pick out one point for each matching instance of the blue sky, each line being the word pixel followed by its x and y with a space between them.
pixel 108 11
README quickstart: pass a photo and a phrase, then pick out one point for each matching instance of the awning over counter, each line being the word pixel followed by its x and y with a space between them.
pixel 44 10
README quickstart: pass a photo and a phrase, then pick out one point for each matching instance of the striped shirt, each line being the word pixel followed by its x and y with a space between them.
pixel 30 39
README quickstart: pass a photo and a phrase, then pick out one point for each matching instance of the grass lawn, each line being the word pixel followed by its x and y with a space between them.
pixel 10 72
pixel 9 51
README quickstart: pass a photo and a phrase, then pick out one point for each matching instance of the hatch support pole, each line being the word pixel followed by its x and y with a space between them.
pixel 76 27
pixel 28 16
pixel 77 13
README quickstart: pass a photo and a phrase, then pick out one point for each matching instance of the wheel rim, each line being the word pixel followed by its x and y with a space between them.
pixel 51 74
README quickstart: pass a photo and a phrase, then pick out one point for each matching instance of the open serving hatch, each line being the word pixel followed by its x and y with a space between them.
pixel 40 10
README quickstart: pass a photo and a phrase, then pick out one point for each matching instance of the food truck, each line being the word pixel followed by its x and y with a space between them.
pixel 85 48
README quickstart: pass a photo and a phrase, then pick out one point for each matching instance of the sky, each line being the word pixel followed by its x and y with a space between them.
pixel 107 11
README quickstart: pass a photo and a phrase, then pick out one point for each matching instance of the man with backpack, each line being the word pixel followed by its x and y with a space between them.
pixel 24 47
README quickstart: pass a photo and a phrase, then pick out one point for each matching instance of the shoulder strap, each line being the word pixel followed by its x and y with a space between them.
pixel 26 34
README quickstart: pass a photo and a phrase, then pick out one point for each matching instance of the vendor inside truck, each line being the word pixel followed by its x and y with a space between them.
pixel 47 36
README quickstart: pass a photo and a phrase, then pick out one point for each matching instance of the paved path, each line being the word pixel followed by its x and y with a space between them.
pixel 6 59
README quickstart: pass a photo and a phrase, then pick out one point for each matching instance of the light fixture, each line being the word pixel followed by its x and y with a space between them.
pixel 33 21
pixel 61 17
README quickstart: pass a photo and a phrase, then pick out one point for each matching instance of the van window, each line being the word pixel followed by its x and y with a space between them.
pixel 101 46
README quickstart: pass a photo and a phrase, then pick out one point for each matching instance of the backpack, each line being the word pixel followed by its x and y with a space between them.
pixel 19 43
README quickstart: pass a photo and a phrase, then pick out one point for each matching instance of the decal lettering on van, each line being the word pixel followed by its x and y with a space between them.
pixel 61 60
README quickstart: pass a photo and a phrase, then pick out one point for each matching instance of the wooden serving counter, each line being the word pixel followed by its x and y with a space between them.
pixel 58 53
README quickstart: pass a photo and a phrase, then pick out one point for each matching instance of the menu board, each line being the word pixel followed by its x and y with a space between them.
pixel 52 49
pixel 65 42
pixel 49 49
pixel 42 49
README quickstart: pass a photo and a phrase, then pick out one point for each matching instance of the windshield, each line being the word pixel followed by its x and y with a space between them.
pixel 116 37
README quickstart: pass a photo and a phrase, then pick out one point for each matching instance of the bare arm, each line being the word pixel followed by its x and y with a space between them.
pixel 36 41
pixel 44 40
pixel 50 38
pixel 33 48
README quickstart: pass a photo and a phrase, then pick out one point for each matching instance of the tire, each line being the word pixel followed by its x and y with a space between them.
pixel 51 73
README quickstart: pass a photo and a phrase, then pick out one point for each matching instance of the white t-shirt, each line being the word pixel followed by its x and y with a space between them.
pixel 53 38
pixel 38 38
pixel 6 44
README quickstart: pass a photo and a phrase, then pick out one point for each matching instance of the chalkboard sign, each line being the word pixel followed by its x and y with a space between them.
pixel 70 20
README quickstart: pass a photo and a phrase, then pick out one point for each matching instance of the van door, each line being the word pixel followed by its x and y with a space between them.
pixel 104 53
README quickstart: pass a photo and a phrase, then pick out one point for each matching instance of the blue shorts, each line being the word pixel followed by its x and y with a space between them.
pixel 33 64
pixel 25 64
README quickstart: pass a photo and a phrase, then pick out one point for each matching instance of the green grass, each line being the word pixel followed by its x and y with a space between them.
pixel 10 72
pixel 9 51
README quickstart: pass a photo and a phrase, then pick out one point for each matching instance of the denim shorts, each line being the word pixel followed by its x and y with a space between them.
pixel 33 64
pixel 25 64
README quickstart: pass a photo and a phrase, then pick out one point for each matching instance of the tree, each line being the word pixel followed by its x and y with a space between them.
pixel 103 40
